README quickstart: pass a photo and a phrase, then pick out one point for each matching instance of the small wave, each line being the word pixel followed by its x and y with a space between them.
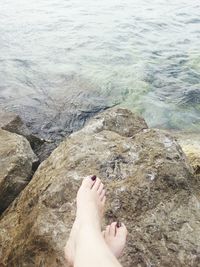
pixel 23 62
pixel 193 21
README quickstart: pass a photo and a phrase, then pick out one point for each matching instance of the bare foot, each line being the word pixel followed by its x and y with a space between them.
pixel 115 237
pixel 90 204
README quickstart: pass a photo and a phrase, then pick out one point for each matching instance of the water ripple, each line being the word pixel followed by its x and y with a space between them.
pixel 142 54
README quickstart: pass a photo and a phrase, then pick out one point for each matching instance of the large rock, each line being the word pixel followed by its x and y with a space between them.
pixel 16 162
pixel 150 188
pixel 118 120
pixel 190 143
pixel 12 122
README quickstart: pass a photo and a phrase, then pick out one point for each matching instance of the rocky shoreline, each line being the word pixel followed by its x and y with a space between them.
pixel 152 186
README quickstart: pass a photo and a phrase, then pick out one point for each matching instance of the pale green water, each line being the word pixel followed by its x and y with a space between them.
pixel 144 55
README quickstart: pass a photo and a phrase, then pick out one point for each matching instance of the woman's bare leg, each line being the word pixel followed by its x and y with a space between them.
pixel 70 247
pixel 89 246
pixel 91 249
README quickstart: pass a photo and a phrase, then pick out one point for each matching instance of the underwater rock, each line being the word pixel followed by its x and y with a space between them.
pixel 54 114
pixel 191 96
pixel 150 187
pixel 16 163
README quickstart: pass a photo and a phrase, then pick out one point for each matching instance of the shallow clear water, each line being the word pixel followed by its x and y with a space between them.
pixel 141 54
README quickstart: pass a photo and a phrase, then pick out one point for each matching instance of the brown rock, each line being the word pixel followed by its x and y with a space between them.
pixel 118 120
pixel 16 161
pixel 150 188
pixel 11 122
pixel 190 143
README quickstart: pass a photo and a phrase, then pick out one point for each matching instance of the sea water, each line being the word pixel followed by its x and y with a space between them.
pixel 139 54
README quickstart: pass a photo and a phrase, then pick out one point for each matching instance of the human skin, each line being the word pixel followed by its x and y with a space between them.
pixel 87 247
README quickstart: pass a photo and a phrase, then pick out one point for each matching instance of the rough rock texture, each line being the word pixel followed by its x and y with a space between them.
pixel 190 143
pixel 16 163
pixel 118 120
pixel 150 188
pixel 11 122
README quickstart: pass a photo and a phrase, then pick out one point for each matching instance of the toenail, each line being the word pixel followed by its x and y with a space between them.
pixel 118 224
pixel 93 177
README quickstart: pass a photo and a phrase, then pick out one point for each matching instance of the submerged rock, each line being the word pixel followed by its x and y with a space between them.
pixel 191 96
pixel 50 118
pixel 52 114
pixel 16 163
pixel 150 188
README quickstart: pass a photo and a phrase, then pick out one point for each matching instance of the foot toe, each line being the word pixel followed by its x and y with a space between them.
pixel 122 230
pixel 107 230
pixel 102 195
pixel 113 229
pixel 104 233
pixel 103 201
pixel 97 184
pixel 100 189
pixel 88 182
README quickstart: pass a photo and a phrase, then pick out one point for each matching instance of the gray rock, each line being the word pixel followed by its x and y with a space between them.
pixel 150 188
pixel 190 143
pixel 16 162
pixel 12 122
pixel 119 120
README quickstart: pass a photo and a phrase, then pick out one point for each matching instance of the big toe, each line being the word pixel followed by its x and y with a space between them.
pixel 88 182
pixel 97 185
pixel 121 230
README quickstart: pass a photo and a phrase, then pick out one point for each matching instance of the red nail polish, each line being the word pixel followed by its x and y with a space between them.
pixel 118 224
pixel 93 177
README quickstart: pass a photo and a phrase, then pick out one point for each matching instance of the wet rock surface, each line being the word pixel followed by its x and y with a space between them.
pixel 150 188
pixel 17 162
